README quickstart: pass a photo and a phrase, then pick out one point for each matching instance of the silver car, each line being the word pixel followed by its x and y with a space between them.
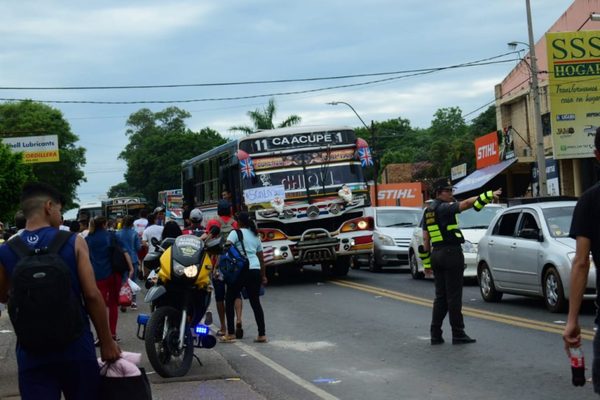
pixel 473 225
pixel 527 251
pixel 393 227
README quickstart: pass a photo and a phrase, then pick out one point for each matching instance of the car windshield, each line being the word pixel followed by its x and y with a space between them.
pixel 472 219
pixel 558 220
pixel 398 218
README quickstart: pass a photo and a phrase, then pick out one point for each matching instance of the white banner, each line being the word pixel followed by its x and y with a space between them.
pixel 263 194
pixel 35 149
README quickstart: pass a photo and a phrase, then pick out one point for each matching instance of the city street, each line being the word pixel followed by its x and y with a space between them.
pixel 367 336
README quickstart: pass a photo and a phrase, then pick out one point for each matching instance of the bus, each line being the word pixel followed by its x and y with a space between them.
pixel 90 210
pixel 303 185
pixel 172 200
pixel 118 207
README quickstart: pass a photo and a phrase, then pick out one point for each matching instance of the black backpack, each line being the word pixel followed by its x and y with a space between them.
pixel 43 309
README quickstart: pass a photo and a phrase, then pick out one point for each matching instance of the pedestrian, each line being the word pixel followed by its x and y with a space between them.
pixel 585 229
pixel 84 224
pixel 72 370
pixel 195 227
pixel 440 232
pixel 252 277
pixel 159 215
pixel 140 224
pixel 171 230
pixel 226 223
pixel 99 241
pixel 151 231
pixel 130 241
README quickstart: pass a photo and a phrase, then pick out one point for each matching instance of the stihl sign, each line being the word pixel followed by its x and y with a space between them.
pixel 399 194
pixel 486 150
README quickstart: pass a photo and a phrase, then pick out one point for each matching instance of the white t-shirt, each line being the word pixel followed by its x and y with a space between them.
pixel 252 244
pixel 150 232
pixel 139 225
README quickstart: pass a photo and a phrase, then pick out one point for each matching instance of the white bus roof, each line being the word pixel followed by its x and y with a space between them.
pixel 296 129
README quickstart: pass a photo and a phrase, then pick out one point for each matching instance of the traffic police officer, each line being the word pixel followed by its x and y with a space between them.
pixel 446 259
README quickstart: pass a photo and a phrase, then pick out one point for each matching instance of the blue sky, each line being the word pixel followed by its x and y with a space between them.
pixel 109 43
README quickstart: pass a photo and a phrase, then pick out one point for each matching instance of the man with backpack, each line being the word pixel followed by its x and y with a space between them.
pixel 55 347
pixel 226 223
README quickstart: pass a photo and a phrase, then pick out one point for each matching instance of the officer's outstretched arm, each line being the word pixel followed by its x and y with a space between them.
pixel 478 202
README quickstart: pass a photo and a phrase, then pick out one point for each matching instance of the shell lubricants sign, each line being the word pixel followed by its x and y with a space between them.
pixel 574 87
pixel 35 149
pixel 486 150
pixel 398 194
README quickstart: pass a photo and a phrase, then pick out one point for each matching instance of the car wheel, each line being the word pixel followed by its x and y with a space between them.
pixel 554 295
pixel 486 285
pixel 414 267
pixel 373 266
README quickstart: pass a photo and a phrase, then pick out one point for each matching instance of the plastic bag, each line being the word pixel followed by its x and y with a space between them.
pixel 125 295
pixel 135 288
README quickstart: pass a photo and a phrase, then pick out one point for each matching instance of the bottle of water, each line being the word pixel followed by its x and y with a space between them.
pixel 577 366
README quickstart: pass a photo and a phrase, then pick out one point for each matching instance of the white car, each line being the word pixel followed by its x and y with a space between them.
pixel 393 227
pixel 527 251
pixel 472 224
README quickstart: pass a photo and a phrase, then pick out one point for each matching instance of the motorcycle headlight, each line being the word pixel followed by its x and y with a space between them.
pixel 386 240
pixel 178 269
pixel 469 247
pixel 191 271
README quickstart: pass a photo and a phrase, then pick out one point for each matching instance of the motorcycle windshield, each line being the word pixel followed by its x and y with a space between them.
pixel 187 250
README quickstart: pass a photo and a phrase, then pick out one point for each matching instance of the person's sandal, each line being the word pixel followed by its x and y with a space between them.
pixel 227 339
pixel 261 339
pixel 220 333
pixel 239 332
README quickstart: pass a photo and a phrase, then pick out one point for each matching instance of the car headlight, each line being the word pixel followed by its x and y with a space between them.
pixel 191 271
pixel 469 247
pixel 386 240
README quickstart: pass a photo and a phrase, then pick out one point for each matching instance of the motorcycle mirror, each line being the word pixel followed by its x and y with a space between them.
pixel 154 241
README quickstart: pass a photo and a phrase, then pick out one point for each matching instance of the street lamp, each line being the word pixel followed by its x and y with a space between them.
pixel 594 16
pixel 372 130
pixel 537 114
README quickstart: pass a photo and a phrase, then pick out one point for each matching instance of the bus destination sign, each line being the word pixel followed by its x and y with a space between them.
pixel 298 140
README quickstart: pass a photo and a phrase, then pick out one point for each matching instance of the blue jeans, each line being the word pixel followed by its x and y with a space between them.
pixel 75 379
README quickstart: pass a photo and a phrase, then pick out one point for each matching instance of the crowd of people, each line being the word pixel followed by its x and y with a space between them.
pixel 73 370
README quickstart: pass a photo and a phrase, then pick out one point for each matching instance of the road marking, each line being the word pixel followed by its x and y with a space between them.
pixel 286 373
pixel 470 311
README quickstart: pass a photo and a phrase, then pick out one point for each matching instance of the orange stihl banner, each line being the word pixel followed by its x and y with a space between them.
pixel 398 194
pixel 486 150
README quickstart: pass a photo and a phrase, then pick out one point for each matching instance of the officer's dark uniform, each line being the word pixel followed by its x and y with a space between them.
pixel 447 262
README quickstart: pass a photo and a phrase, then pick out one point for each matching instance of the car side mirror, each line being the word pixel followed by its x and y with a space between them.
pixel 530 233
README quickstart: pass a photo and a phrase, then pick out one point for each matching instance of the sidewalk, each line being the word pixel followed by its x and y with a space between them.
pixel 215 380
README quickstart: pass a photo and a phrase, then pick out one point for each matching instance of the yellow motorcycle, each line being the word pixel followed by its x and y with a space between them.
pixel 179 299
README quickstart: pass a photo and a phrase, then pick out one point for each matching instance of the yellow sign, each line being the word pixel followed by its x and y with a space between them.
pixel 35 149
pixel 574 76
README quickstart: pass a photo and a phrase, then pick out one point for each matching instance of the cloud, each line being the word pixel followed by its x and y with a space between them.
pixel 72 25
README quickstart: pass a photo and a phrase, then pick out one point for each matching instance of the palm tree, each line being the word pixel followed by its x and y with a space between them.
pixel 263 119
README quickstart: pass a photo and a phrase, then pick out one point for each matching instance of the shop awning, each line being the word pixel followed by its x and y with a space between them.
pixel 477 179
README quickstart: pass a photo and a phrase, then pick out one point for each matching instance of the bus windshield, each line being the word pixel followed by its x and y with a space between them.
pixel 317 179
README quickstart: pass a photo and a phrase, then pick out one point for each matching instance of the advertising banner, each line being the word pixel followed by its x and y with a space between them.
pixel 458 171
pixel 486 150
pixel 574 87
pixel 398 194
pixel 551 178
pixel 263 194
pixel 35 149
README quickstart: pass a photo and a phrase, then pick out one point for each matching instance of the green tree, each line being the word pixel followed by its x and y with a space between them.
pixel 122 189
pixel 484 123
pixel 13 174
pixel 158 143
pixel 263 119
pixel 28 118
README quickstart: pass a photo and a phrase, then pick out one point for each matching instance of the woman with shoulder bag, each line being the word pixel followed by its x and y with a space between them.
pixel 252 276
pixel 99 241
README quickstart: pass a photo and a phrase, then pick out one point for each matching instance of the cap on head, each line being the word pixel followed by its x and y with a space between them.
pixel 159 209
pixel 442 184
pixel 196 216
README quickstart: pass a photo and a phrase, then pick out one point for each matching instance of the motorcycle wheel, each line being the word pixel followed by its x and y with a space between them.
pixel 161 343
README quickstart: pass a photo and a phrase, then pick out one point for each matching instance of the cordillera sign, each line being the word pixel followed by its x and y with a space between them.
pixel 35 149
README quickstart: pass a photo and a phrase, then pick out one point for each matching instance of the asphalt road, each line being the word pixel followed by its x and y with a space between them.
pixel 367 336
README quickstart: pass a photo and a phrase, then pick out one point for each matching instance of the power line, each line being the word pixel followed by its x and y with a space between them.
pixel 260 82
pixel 425 72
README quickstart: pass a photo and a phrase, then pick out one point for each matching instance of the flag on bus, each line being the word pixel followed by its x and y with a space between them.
pixel 364 155
pixel 247 168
